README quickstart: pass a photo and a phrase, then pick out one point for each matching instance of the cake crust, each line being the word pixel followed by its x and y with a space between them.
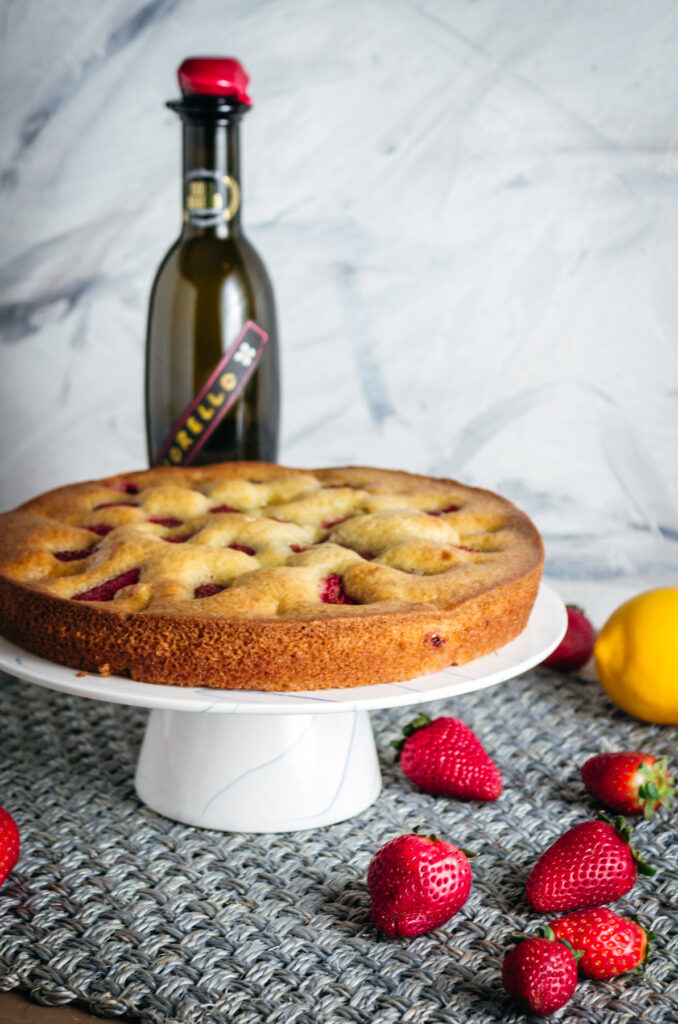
pixel 256 576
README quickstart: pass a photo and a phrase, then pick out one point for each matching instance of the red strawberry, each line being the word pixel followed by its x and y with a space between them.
pixel 333 591
pixel 447 758
pixel 576 647
pixel 107 591
pixel 245 548
pixel 589 865
pixel 168 521
pixel 9 844
pixel 631 783
pixel 611 945
pixel 417 883
pixel 540 973
pixel 72 556
pixel 208 589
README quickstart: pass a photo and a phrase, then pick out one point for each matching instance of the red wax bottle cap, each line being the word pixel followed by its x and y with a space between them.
pixel 214 76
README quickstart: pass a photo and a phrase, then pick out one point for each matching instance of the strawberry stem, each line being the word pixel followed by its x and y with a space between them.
pixel 623 830
pixel 544 931
pixel 576 953
pixel 417 723
pixel 643 867
pixel 650 938
pixel 418 830
pixel 658 789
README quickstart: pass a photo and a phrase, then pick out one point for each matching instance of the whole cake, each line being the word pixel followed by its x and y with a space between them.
pixel 250 575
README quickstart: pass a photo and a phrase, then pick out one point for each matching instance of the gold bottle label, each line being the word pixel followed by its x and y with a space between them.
pixel 210 198
pixel 224 385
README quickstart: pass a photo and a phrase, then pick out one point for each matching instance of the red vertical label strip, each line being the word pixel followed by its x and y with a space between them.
pixel 215 398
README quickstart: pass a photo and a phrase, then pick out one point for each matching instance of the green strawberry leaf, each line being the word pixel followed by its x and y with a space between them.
pixel 417 723
pixel 624 832
pixel 658 788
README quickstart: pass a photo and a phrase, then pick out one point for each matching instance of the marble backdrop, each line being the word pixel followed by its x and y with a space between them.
pixel 470 213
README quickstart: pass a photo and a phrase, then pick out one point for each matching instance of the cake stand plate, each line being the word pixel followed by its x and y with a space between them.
pixel 246 761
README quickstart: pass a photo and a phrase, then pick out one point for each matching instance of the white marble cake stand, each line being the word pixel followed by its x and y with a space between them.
pixel 244 761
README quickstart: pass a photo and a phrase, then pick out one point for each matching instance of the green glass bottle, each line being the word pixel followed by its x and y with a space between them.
pixel 212 368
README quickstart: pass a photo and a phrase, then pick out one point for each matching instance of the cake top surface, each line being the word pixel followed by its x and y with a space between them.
pixel 261 541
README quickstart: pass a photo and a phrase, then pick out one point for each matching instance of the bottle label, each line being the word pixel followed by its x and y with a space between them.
pixel 210 198
pixel 215 398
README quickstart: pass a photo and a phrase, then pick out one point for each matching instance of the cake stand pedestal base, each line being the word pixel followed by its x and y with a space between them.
pixel 258 773
pixel 254 761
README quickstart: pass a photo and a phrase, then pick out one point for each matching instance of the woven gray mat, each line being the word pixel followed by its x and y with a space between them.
pixel 128 912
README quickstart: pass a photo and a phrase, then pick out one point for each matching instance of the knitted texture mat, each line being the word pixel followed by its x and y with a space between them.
pixel 130 913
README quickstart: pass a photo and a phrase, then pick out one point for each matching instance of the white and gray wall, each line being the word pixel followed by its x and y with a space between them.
pixel 470 213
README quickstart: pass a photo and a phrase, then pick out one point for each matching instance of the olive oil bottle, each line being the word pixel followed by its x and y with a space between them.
pixel 212 373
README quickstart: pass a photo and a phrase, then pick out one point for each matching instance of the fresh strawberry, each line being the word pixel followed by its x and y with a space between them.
pixel 629 782
pixel 540 973
pixel 417 883
pixel 576 647
pixel 589 865
pixel 610 944
pixel 9 844
pixel 447 758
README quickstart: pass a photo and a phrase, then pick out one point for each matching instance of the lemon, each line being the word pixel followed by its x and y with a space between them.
pixel 637 656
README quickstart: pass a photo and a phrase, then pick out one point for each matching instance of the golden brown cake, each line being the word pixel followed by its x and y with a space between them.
pixel 249 575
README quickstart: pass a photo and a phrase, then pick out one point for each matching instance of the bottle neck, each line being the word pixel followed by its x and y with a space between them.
pixel 211 177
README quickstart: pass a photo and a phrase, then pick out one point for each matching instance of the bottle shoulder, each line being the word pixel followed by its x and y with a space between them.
pixel 232 249
pixel 169 258
pixel 207 276
pixel 253 255
pixel 236 246
pixel 205 260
